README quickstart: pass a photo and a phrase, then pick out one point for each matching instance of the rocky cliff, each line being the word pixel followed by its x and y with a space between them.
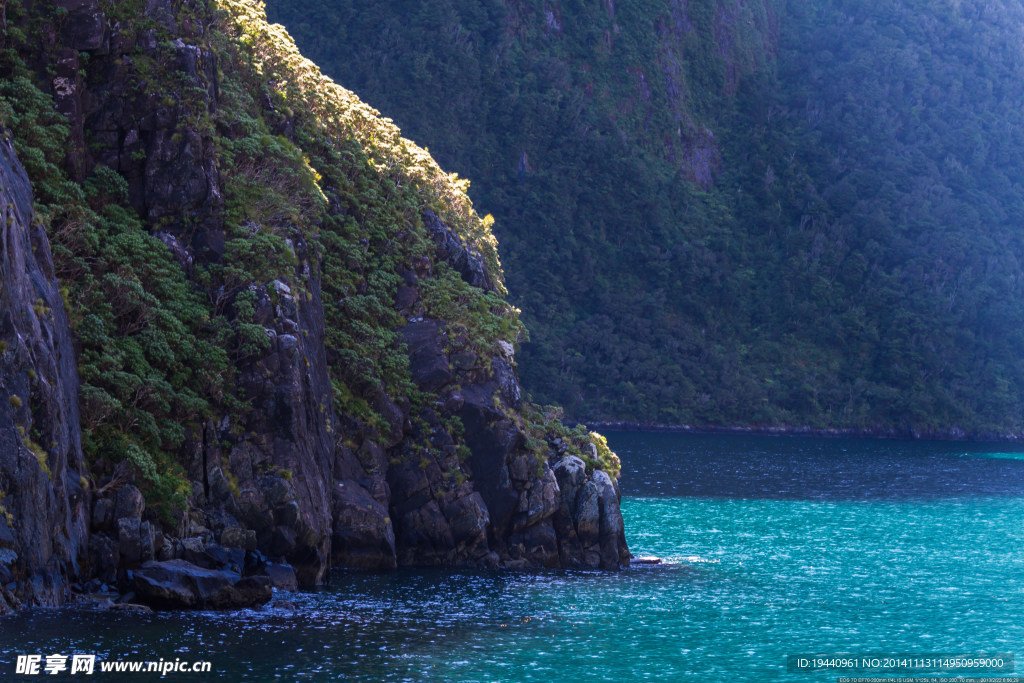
pixel 288 322
pixel 43 504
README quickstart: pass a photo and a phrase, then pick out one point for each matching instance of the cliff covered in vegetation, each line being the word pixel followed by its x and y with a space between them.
pixel 288 323
pixel 730 213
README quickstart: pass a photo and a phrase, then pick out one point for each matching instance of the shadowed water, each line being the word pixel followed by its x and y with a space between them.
pixel 780 467
pixel 778 546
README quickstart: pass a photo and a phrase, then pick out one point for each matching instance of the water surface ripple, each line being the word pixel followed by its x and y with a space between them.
pixel 777 546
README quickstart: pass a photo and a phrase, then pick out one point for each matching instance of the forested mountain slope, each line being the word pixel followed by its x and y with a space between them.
pixel 717 212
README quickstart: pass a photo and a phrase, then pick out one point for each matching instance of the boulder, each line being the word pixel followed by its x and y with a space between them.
pixel 406 297
pixel 284 542
pixel 468 518
pixel 177 584
pixel 541 543
pixel 213 556
pixel 492 439
pixel 252 591
pixel 425 537
pixel 281 576
pixel 104 557
pixel 541 499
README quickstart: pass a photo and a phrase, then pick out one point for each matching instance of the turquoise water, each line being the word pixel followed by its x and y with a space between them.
pixel 774 546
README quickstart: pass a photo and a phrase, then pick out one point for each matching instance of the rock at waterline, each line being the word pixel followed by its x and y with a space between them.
pixel 177 584
pixel 281 576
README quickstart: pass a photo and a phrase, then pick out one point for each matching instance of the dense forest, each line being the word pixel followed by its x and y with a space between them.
pixel 729 213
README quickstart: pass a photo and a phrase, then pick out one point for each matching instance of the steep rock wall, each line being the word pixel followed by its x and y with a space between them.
pixel 43 505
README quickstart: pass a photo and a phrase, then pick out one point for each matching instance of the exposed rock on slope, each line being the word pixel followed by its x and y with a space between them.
pixel 290 326
pixel 42 501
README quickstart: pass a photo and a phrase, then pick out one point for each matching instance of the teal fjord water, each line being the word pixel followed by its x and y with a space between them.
pixel 775 546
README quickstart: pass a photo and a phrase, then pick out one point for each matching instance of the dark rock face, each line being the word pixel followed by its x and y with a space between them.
pixel 362 537
pixel 86 24
pixel 427 360
pixel 177 584
pixel 287 431
pixel 41 494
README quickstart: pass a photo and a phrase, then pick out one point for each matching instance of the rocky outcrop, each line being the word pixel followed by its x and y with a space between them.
pixel 451 250
pixel 284 486
pixel 43 503
pixel 516 506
